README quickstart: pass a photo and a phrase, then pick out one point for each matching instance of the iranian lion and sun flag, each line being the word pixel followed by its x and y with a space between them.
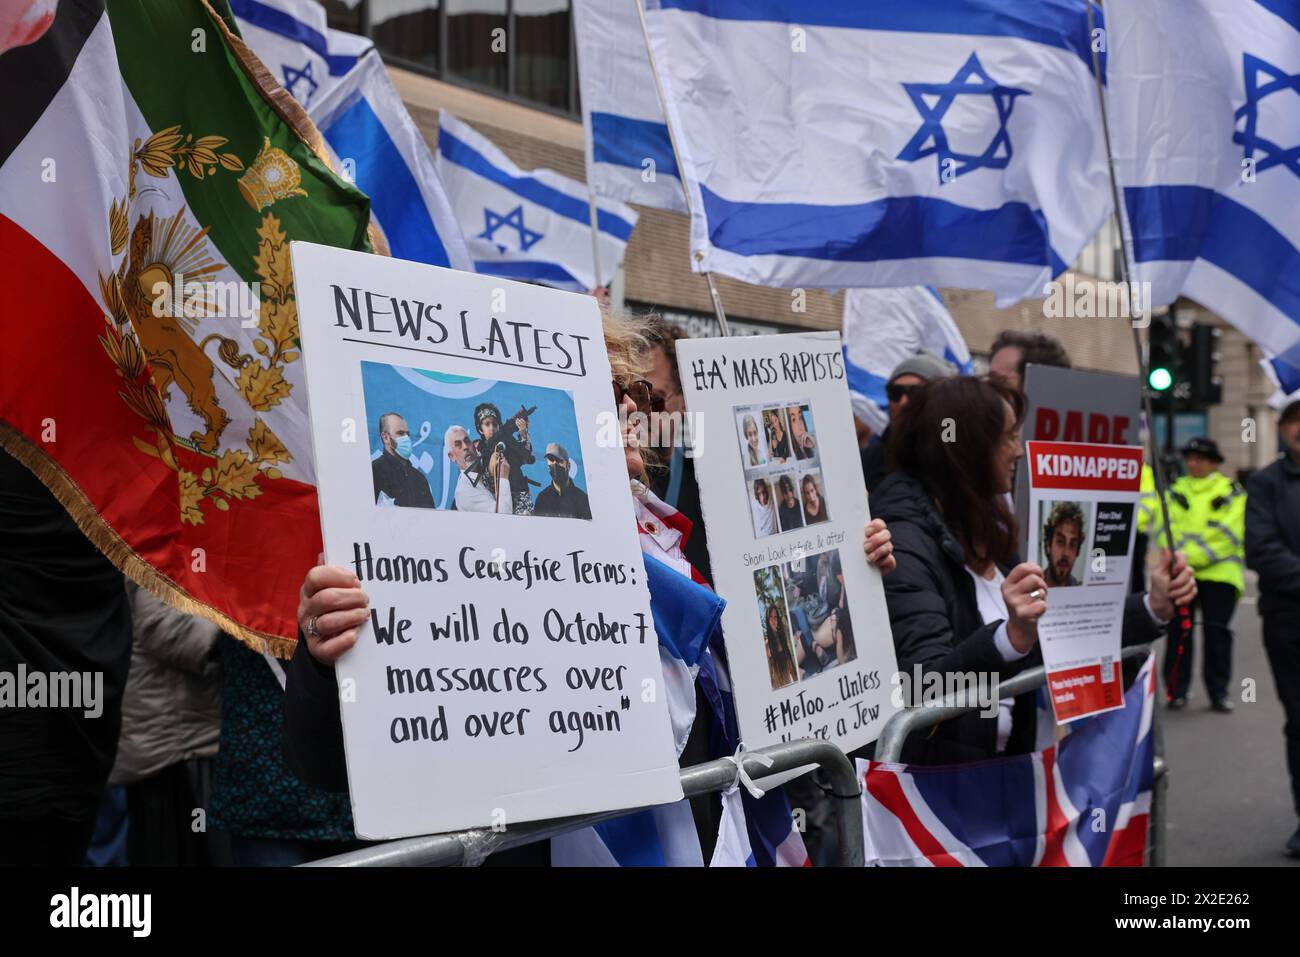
pixel 152 175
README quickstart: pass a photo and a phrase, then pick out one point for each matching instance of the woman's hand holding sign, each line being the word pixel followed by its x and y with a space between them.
pixel 878 547
pixel 331 609
pixel 1025 592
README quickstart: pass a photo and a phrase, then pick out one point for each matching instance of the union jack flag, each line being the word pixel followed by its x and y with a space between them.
pixel 1083 802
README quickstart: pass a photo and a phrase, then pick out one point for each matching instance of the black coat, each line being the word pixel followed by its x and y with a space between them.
pixel 873 461
pixel 1273 535
pixel 401 481
pixel 935 618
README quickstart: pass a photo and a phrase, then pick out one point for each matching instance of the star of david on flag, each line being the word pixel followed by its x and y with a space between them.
pixel 296 77
pixel 815 170
pixel 1201 155
pixel 1278 81
pixel 343 84
pixel 931 139
pixel 547 212
pixel 528 238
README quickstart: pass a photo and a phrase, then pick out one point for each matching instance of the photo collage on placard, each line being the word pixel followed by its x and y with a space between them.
pixel 780 459
pixel 803 613
pixel 450 442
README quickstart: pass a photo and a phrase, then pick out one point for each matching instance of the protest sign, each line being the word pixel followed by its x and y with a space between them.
pixel 471 473
pixel 1071 405
pixel 1082 502
pixel 806 628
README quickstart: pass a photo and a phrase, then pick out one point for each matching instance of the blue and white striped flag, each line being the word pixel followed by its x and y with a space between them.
pixel 686 615
pixel 882 327
pixel 531 225
pixel 341 81
pixel 629 152
pixel 892 143
pixel 1287 379
pixel 1203 101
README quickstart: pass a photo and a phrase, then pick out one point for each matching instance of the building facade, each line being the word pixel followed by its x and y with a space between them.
pixel 508 68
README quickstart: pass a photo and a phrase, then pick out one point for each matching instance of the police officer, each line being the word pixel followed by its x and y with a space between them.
pixel 1148 506
pixel 1208 512
pixel 1273 550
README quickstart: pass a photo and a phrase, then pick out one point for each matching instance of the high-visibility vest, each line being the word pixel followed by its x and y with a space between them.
pixel 1209 520
pixel 1148 500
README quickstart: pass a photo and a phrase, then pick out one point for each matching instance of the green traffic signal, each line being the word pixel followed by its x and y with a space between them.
pixel 1160 379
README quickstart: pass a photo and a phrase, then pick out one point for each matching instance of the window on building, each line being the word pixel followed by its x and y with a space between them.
pixel 478 42
pixel 408 29
pixel 542 51
pixel 345 15
pixel 522 49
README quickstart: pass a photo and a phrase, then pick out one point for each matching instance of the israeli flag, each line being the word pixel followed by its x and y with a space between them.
pixel 340 80
pixel 531 225
pixel 629 152
pixel 1285 377
pixel 1206 123
pixel 686 616
pixel 883 327
pixel 892 143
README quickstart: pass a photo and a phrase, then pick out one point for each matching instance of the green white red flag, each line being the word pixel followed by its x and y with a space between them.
pixel 152 175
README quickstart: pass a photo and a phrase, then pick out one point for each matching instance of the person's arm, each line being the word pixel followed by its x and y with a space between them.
pixel 312 737
pixel 331 610
pixel 184 642
pixel 1266 551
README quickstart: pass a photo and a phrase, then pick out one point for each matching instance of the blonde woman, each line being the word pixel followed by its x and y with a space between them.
pixel 753 450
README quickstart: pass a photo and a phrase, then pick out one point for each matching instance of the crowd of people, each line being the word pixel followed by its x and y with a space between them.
pixel 197 727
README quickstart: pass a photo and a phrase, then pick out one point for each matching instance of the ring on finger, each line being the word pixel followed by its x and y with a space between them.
pixel 311 627
pixel 1036 594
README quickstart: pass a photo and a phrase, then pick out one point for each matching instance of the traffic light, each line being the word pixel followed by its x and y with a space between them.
pixel 1200 360
pixel 1163 353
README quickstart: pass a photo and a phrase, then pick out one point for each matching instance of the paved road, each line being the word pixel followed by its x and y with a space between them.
pixel 1229 801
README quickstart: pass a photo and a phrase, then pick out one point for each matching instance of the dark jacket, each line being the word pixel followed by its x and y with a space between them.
pixel 935 619
pixel 313 728
pixel 63 608
pixel 873 461
pixel 1273 535
pixel 401 481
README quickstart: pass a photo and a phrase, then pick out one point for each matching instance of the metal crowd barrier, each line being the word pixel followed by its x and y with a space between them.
pixel 889 747
pixel 471 847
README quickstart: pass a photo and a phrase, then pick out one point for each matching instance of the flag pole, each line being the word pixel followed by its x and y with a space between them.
pixel 1126 273
pixel 718 312
pixel 595 230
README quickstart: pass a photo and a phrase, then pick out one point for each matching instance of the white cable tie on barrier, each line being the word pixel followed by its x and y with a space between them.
pixel 478 844
pixel 742 777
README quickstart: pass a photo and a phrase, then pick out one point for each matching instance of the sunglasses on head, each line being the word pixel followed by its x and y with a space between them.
pixel 642 393
pixel 896 393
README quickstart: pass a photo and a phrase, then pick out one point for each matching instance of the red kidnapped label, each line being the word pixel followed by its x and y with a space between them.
pixel 1080 691
pixel 1076 465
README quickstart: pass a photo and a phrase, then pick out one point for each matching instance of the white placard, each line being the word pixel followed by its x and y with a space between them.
pixel 510 670
pixel 806 628
pixel 1082 505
